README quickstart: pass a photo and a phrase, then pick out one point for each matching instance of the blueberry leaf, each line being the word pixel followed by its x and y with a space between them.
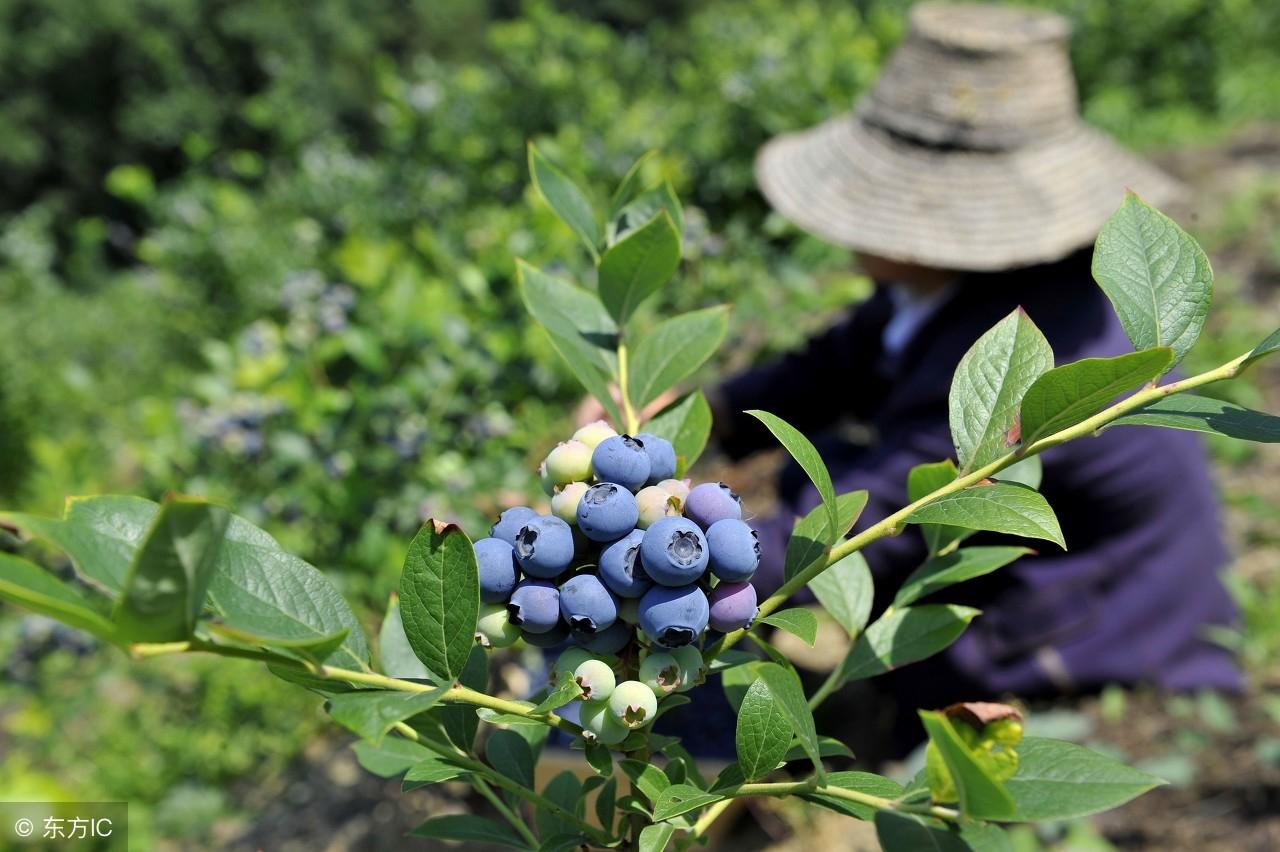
pixel 763 732
pixel 636 267
pixel 1203 414
pixel 686 423
pixel 33 588
pixel 390 758
pixel 398 659
pixel 982 796
pixel 566 199
pixel 859 782
pixel 431 770
pixel 674 350
pixel 797 621
pixel 1263 349
pixel 956 567
pixel 440 598
pixel 1059 780
pixel 788 694
pixel 654 838
pixel 681 799
pixel 1157 277
pixel 923 480
pixel 1066 395
pixel 510 754
pixel 806 455
pixel 565 790
pixel 467 828
pixel 643 208
pixel 812 536
pixel 371 713
pixel 903 636
pixel 1004 507
pixel 629 186
pixel 605 800
pixel 898 832
pixel 846 592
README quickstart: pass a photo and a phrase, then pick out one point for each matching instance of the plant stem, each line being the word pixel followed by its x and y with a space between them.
pixel 456 694
pixel 517 822
pixel 798 788
pixel 830 685
pixel 894 523
pixel 632 422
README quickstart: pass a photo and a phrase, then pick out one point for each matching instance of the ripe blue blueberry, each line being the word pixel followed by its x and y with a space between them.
pixel 544 546
pixel 662 457
pixel 510 522
pixel 674 552
pixel 495 560
pixel 587 605
pixel 732 606
pixel 673 617
pixel 621 459
pixel 711 502
pixel 620 567
pixel 607 512
pixel 735 550
pixel 554 637
pixel 610 641
pixel 535 606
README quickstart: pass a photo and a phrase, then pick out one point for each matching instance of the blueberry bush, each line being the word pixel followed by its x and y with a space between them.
pixel 639 580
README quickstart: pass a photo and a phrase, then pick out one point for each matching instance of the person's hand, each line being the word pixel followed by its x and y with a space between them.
pixel 590 409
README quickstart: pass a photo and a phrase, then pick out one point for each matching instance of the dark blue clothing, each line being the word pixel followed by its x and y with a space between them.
pixel 1127 603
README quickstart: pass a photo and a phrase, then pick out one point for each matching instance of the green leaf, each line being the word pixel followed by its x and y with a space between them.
pixel 1069 394
pixel 643 208
pixel 899 832
pixel 736 680
pixel 510 754
pixel 923 480
pixel 1061 780
pixel 846 592
pixel 1263 349
pixel 599 758
pixel 432 770
pixel 648 778
pixel 681 799
pixel 654 838
pixel 686 423
pixel 797 621
pixel 987 389
pixel 100 534
pixel 629 186
pixel 674 350
pixel 566 690
pixel 1028 471
pixel 812 536
pixel 806 455
pixel 467 828
pixel 956 567
pixel 315 650
pixel 460 720
pixel 565 790
pixel 605 801
pixel 1156 276
pixel 579 330
pixel 398 659
pixel 31 587
pixel 763 732
pixel 788 695
pixel 566 199
pixel 827 747
pixel 903 636
pixel 981 795
pixel 440 598
pixel 985 837
pixel 164 592
pixel 636 267
pixel 1004 507
pixel 371 713
pixel 859 782
pixel 392 757
pixel 1203 414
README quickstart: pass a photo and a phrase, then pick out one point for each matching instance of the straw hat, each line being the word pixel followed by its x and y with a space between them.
pixel 968 153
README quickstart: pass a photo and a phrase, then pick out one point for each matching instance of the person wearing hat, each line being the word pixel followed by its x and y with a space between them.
pixel 967 185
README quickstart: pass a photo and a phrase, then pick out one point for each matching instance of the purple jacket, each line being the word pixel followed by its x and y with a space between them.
pixel 1127 603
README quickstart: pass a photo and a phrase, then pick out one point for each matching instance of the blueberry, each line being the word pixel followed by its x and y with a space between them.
pixel 674 552
pixel 596 680
pixel 677 488
pixel 632 703
pixel 564 505
pixel 621 459
pixel 629 610
pixel 495 560
pixel 544 546
pixel 732 606
pixel 535 606
pixel 693 671
pixel 570 461
pixel 735 550
pixel 600 725
pixel 494 629
pixel 711 502
pixel 587 605
pixel 673 617
pixel 660 672
pixel 510 522
pixel 607 512
pixel 655 503
pixel 553 637
pixel 610 641
pixel 593 433
pixel 662 457
pixel 620 567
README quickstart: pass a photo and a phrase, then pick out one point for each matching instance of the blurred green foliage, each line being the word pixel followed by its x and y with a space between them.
pixel 266 256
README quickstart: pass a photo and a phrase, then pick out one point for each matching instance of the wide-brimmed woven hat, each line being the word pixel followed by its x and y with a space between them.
pixel 968 153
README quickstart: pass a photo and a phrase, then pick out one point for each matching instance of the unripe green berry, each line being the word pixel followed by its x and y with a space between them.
pixel 629 610
pixel 593 433
pixel 596 680
pixel 677 488
pixel 600 725
pixel 569 462
pixel 654 503
pixel 564 505
pixel 568 661
pixel 494 628
pixel 633 704
pixel 693 672
pixel 660 672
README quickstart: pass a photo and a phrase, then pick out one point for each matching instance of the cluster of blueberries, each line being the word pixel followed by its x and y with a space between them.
pixel 626 545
